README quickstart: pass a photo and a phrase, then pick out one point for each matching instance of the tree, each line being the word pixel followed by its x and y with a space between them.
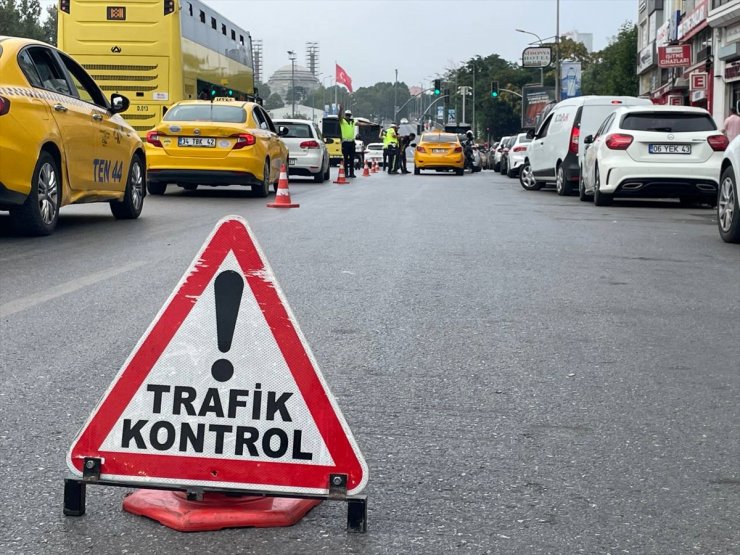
pixel 22 18
pixel 613 69
pixel 274 102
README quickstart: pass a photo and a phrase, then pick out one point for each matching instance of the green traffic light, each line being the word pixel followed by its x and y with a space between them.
pixel 494 94
pixel 436 91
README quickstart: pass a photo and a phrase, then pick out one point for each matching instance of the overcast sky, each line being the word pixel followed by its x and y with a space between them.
pixel 420 38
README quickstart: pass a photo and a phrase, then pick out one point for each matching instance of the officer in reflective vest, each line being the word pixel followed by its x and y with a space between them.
pixel 390 143
pixel 347 130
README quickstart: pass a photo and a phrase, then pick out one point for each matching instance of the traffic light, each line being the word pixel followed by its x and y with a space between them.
pixel 494 89
pixel 437 87
pixel 230 92
pixel 213 92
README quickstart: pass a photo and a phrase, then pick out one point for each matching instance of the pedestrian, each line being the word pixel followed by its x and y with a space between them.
pixel 347 131
pixel 391 143
pixel 732 125
pixel 405 142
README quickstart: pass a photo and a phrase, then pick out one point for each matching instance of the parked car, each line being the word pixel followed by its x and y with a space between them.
pixel 440 151
pixel 728 203
pixel 554 155
pixel 504 164
pixel 498 153
pixel 374 153
pixel 654 152
pixel 307 153
pixel 199 142
pixel 61 140
pixel 517 154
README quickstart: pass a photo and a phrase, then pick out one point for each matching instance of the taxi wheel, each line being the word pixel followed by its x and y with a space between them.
pixel 460 172
pixel 417 171
pixel 39 214
pixel 133 197
pixel 156 188
pixel 264 189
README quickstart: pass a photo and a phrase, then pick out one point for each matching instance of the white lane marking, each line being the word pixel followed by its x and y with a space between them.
pixel 24 303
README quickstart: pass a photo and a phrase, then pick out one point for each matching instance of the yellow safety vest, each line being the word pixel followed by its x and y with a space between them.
pixel 390 137
pixel 348 130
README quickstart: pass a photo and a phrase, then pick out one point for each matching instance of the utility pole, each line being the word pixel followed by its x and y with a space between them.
pixel 292 57
pixel 557 51
pixel 395 98
pixel 464 91
pixel 475 130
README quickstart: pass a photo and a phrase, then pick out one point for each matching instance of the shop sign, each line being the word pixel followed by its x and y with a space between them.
pixel 698 81
pixel 674 56
pixel 732 33
pixel 675 100
pixel 661 35
pixel 732 71
pixel 645 58
pixel 693 19
pixel 698 96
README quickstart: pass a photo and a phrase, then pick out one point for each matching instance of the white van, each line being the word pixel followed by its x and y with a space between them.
pixel 553 156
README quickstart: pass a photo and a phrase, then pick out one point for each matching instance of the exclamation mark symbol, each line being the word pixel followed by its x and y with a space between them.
pixel 229 286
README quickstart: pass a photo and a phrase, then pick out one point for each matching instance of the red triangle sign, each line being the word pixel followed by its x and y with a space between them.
pixel 222 391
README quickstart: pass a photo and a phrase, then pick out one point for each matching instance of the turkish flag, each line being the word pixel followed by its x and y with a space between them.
pixel 343 78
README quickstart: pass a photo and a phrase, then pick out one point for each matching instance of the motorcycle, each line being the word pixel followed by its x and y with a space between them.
pixel 472 157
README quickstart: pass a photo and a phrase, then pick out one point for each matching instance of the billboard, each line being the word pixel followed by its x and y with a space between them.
pixel 674 56
pixel 535 99
pixel 570 80
pixel 536 56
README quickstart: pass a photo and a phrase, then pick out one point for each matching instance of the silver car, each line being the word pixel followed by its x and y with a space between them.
pixel 307 154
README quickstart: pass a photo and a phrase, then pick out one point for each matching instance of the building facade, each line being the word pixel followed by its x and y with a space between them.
pixel 724 18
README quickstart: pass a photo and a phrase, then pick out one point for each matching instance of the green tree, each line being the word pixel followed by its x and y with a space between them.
pixel 22 18
pixel 612 71
pixel 274 102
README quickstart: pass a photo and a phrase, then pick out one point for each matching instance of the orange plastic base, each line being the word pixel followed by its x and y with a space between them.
pixel 216 511
pixel 283 205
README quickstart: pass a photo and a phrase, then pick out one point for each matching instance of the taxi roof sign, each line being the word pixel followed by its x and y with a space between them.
pixel 222 390
pixel 224 99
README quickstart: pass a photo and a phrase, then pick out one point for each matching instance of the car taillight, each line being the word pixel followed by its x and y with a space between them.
pixel 458 149
pixel 64 5
pixel 4 105
pixel 717 142
pixel 309 144
pixel 520 148
pixel 153 138
pixel 618 141
pixel 169 6
pixel 244 139
pixel 575 134
pixel 420 149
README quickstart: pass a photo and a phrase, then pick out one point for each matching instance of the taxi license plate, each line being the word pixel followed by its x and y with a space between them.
pixel 196 141
pixel 291 161
pixel 669 149
pixel 439 150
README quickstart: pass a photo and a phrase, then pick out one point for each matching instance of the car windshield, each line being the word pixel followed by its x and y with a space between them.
pixel 523 139
pixel 375 147
pixel 206 112
pixel 439 138
pixel 668 122
pixel 296 130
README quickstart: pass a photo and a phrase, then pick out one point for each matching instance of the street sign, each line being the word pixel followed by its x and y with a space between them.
pixel 674 56
pixel 536 56
pixel 222 391
pixel 440 112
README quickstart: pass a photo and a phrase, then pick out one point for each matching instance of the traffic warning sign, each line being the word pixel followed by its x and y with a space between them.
pixel 222 390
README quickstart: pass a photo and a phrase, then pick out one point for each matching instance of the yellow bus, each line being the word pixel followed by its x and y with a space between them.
pixel 157 52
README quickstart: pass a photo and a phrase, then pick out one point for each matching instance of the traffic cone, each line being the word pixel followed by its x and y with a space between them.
pixel 282 195
pixel 340 178
pixel 375 166
pixel 366 170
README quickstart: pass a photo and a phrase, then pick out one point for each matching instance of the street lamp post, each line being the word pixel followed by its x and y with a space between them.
pixel 542 78
pixel 395 98
pixel 292 57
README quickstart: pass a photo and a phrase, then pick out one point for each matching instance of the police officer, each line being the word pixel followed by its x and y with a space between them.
pixel 347 131
pixel 390 142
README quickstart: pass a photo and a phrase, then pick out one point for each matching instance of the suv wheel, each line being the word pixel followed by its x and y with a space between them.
pixel 728 208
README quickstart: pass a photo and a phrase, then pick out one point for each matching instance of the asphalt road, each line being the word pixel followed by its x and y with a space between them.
pixel 524 373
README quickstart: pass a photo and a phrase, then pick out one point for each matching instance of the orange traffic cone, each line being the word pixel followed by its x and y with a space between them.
pixel 375 166
pixel 366 170
pixel 282 195
pixel 341 178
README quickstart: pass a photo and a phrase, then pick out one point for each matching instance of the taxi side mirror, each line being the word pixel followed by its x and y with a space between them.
pixel 328 140
pixel 283 131
pixel 413 145
pixel 118 103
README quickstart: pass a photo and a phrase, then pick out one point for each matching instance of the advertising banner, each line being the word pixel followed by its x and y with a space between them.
pixel 534 101
pixel 674 56
pixel 570 80
pixel 536 56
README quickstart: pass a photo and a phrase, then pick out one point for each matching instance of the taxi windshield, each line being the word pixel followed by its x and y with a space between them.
pixel 206 112
pixel 439 138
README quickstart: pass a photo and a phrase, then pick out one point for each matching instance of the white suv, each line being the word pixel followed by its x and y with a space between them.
pixel 553 156
pixel 654 152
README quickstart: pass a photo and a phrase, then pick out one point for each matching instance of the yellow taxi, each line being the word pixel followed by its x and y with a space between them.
pixel 437 150
pixel 219 142
pixel 61 140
